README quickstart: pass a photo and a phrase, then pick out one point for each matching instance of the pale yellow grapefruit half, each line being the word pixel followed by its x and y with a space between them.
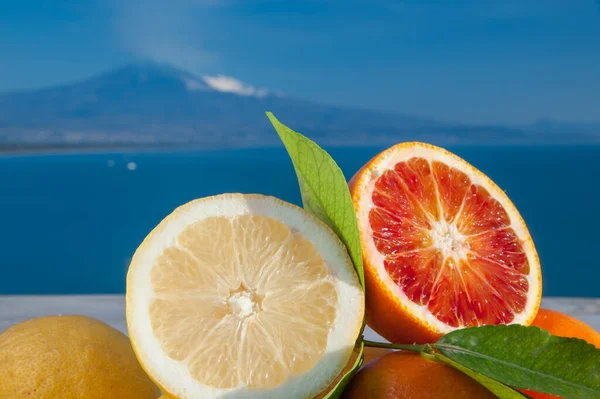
pixel 243 296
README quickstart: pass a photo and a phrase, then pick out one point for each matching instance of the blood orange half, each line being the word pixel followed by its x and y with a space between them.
pixel 443 246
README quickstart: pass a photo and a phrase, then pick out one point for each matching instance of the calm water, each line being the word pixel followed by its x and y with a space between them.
pixel 70 223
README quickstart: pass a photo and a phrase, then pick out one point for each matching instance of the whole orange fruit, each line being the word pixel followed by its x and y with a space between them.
pixel 70 357
pixel 563 325
pixel 408 375
pixel 443 246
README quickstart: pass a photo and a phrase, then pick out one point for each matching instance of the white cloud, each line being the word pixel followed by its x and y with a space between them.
pixel 229 84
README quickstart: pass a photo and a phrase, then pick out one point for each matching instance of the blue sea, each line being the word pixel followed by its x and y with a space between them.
pixel 71 222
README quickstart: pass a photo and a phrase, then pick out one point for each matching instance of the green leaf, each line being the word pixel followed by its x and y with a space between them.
pixel 336 389
pixel 527 357
pixel 324 189
pixel 497 388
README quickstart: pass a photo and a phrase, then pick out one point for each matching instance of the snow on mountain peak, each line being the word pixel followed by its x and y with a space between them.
pixel 230 84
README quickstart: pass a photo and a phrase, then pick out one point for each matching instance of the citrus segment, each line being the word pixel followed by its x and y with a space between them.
pixel 444 243
pixel 243 296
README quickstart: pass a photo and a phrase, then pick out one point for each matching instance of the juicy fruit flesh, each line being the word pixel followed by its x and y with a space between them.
pixel 448 244
pixel 243 302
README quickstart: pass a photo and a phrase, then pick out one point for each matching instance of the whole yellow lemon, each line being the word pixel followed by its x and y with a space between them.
pixel 70 357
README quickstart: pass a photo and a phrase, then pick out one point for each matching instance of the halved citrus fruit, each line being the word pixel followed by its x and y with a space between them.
pixel 443 246
pixel 243 296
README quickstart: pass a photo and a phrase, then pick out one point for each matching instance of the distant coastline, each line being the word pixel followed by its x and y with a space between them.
pixel 42 150
pixel 150 107
pixel 11 151
pixel 103 149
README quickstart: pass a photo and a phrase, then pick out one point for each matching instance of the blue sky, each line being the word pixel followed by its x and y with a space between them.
pixel 487 61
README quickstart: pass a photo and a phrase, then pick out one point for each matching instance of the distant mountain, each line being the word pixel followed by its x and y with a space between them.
pixel 156 105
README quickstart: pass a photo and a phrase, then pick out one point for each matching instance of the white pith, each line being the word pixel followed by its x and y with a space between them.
pixel 449 240
pixel 445 236
pixel 243 304
pixel 174 376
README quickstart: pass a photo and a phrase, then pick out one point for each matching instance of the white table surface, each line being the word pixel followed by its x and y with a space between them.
pixel 111 309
